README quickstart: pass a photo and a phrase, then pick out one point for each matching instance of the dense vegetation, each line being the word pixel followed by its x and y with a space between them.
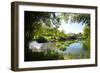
pixel 43 27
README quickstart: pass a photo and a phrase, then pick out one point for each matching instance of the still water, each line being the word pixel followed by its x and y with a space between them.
pixel 76 49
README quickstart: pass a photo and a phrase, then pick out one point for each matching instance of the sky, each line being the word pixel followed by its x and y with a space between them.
pixel 71 27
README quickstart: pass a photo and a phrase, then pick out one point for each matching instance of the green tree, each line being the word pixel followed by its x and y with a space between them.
pixel 34 22
pixel 79 18
pixel 86 32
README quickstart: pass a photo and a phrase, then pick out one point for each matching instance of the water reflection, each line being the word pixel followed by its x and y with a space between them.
pixel 74 50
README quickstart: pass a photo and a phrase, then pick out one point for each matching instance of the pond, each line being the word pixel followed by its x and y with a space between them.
pixel 75 50
pixel 72 50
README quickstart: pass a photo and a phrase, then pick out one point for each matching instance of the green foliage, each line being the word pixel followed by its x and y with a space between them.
pixel 87 54
pixel 63 44
pixel 45 55
pixel 34 21
pixel 80 18
pixel 86 44
pixel 70 56
pixel 41 39
pixel 86 32
pixel 43 27
pixel 76 17
pixel 52 54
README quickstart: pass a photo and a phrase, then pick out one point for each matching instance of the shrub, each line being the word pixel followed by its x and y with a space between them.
pixel 61 39
pixel 41 39
pixel 40 56
pixel 86 44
